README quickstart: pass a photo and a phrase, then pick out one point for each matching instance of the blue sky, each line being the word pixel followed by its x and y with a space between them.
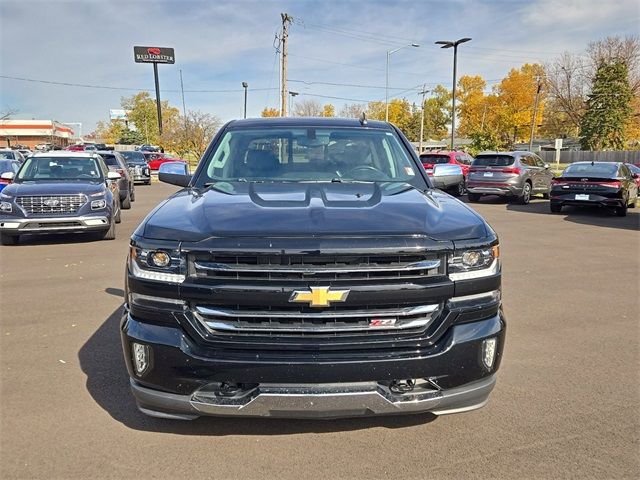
pixel 220 44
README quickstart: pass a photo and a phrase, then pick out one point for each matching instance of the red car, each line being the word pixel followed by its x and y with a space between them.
pixel 155 159
pixel 76 148
pixel 429 159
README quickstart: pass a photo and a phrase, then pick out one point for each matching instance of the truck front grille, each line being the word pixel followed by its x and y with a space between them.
pixel 52 203
pixel 298 322
pixel 310 268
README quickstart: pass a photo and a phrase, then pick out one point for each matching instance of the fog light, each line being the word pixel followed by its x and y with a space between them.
pixel 140 357
pixel 159 259
pixel 489 352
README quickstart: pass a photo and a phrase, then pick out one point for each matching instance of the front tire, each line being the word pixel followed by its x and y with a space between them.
pixel 7 239
pixel 474 197
pixel 525 198
pixel 110 234
pixel 118 215
pixel 125 204
pixel 132 194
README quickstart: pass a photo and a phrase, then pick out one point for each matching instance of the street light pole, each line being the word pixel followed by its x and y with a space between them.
pixel 245 85
pixel 423 93
pixel 533 118
pixel 386 88
pixel 449 44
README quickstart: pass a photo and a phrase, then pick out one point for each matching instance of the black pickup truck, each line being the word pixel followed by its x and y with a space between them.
pixel 309 269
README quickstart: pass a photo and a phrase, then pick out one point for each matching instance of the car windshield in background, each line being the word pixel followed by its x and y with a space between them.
pixel 133 157
pixel 633 168
pixel 8 166
pixel 310 155
pixel 110 160
pixel 604 170
pixel 151 156
pixel 493 161
pixel 8 155
pixel 434 159
pixel 59 168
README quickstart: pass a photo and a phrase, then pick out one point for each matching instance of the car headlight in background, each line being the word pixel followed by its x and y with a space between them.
pixel 474 263
pixel 6 207
pixel 98 204
pixel 157 264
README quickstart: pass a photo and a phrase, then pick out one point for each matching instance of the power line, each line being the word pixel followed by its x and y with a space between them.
pixel 353 84
pixel 108 87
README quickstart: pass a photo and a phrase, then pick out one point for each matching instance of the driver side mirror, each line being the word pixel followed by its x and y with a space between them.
pixel 546 166
pixel 175 173
pixel 7 176
pixel 113 176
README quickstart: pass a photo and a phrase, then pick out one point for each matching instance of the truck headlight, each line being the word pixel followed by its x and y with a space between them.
pixel 6 207
pixel 474 263
pixel 163 265
pixel 98 204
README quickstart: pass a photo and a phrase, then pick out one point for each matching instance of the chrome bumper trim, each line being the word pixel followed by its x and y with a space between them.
pixel 315 401
pixel 22 225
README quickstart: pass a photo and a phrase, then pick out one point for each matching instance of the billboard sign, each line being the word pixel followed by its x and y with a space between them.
pixel 153 55
pixel 117 114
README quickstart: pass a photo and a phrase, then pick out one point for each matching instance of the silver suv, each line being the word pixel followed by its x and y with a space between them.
pixel 516 175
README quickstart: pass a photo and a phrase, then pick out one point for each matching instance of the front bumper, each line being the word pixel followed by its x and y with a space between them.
pixel 314 401
pixel 182 379
pixel 18 225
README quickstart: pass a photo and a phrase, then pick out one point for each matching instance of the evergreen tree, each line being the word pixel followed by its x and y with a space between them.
pixel 603 126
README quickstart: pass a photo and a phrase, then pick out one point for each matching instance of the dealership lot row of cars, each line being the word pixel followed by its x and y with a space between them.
pixel 519 175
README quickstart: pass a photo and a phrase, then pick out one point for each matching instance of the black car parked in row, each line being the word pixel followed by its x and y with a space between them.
pixel 60 192
pixel 117 163
pixel 599 184
pixel 138 167
pixel 310 269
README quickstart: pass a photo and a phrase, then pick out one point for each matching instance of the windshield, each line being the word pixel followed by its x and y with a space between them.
pixel 309 154
pixel 605 170
pixel 59 168
pixel 633 168
pixel 133 157
pixel 435 159
pixel 493 161
pixel 151 156
pixel 110 160
pixel 7 155
pixel 8 166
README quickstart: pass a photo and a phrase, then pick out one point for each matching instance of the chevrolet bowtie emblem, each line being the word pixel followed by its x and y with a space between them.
pixel 319 296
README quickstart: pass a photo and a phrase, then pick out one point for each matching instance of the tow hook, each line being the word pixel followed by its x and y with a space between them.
pixel 402 386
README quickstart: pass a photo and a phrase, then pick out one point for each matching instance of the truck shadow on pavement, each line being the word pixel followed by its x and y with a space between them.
pixel 600 217
pixel 55 239
pixel 108 383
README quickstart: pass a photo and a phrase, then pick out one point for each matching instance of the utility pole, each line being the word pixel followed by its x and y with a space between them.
pixel 286 20
pixel 535 114
pixel 423 93
pixel 184 108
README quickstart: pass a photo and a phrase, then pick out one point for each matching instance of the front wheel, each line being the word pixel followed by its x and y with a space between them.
pixel 132 195
pixel 118 215
pixel 110 234
pixel 126 202
pixel 7 239
pixel 526 194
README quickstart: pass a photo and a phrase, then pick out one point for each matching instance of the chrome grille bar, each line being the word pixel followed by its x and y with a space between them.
pixel 51 203
pixel 229 267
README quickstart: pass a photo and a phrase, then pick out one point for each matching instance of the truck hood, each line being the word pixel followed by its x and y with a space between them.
pixel 311 209
pixel 53 188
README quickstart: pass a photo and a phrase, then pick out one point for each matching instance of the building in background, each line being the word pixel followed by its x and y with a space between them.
pixel 35 132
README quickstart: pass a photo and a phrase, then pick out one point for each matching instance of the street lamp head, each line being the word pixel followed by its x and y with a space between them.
pixel 415 45
pixel 293 94
pixel 245 84
pixel 463 40
pixel 444 43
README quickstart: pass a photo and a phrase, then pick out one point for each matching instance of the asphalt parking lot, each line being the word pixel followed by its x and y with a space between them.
pixel 567 402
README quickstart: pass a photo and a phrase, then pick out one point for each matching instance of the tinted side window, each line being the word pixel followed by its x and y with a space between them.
pixel 527 161
pixel 538 161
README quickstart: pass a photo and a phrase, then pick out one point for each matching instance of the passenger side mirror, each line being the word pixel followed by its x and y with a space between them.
pixel 113 176
pixel 175 173
pixel 546 166
pixel 7 176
